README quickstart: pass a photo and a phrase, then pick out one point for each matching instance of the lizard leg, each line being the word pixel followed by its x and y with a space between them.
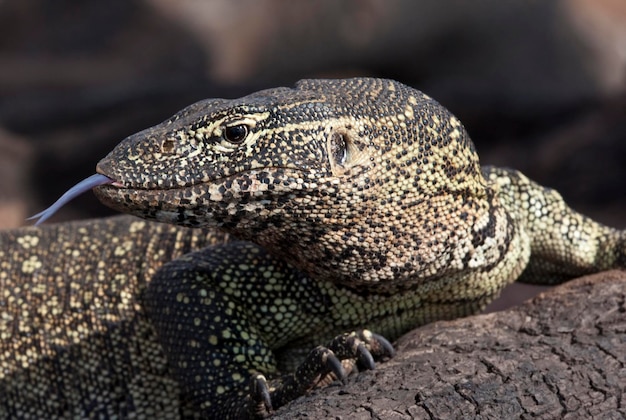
pixel 224 313
pixel 564 243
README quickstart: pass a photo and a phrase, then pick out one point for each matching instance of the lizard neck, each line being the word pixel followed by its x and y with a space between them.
pixel 384 252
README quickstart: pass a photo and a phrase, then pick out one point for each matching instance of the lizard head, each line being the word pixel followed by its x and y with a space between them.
pixel 342 142
pixel 330 174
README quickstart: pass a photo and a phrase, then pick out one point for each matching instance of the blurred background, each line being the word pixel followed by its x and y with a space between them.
pixel 540 85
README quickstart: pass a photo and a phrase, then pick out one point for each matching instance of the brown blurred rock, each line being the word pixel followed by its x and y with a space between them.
pixel 515 53
pixel 15 155
pixel 561 355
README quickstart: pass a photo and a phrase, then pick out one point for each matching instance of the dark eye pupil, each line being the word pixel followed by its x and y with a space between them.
pixel 236 133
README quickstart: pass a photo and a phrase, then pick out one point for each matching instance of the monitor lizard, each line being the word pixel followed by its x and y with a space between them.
pixel 303 228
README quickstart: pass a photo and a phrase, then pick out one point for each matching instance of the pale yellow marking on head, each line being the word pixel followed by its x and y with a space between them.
pixel 408 111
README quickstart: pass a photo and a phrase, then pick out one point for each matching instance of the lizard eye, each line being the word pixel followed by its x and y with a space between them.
pixel 235 134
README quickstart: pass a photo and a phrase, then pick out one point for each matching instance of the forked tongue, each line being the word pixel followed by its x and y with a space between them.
pixel 83 186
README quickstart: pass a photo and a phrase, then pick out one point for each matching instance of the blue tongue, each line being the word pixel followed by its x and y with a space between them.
pixel 75 191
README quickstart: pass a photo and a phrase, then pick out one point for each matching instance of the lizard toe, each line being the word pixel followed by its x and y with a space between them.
pixel 260 396
pixel 355 344
pixel 378 345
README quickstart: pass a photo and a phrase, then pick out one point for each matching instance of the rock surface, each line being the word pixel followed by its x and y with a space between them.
pixel 559 355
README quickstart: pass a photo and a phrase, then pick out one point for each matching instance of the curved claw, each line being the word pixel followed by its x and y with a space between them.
pixel 365 358
pixel 260 394
pixel 75 191
pixel 335 366
pixel 386 346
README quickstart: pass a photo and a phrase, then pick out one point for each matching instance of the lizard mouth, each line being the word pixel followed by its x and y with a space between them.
pixel 96 180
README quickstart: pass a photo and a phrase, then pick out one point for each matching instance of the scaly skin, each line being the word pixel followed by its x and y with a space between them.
pixel 363 205
pixel 74 339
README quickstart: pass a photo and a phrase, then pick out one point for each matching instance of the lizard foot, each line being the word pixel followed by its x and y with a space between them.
pixel 322 365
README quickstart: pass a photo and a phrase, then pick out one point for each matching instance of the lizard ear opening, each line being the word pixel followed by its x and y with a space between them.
pixel 338 148
pixel 343 153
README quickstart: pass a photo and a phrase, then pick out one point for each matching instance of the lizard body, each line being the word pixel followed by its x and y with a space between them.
pixel 74 341
pixel 364 206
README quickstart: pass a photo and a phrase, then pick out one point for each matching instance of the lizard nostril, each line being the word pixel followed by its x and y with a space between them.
pixel 168 145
